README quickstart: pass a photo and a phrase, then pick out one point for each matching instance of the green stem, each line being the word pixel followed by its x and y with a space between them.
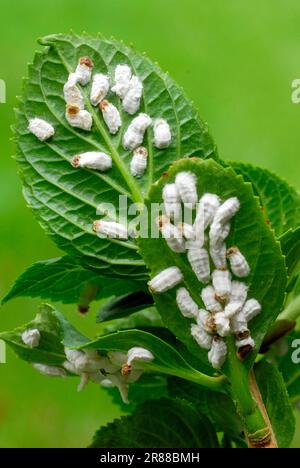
pixel 292 311
pixel 217 384
pixel 256 426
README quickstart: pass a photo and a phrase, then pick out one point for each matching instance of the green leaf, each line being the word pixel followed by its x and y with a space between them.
pixel 218 407
pixel 281 202
pixel 276 399
pixel 286 356
pixel 167 359
pixel 148 387
pixel 249 232
pixel 121 306
pixel 161 423
pixel 70 336
pixel 290 245
pixel 50 350
pixel 147 318
pixel 65 199
pixel 65 280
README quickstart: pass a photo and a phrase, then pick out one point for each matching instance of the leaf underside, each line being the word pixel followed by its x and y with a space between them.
pixel 50 350
pixel 64 280
pixel 249 232
pixel 65 199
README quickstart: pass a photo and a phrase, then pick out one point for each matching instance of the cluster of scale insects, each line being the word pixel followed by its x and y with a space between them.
pixel 116 369
pixel 227 310
pixel 129 88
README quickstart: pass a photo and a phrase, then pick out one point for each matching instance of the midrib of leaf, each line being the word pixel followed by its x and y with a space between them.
pixel 58 274
pixel 104 177
pixel 131 183
pixel 150 147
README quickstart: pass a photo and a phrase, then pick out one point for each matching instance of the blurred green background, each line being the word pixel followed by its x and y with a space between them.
pixel 236 59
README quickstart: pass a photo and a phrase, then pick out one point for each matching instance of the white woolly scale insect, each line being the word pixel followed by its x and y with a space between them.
pixel 239 323
pixel 222 324
pixel 41 129
pixel 238 293
pixel 199 231
pixel 162 134
pixel 218 256
pixel 207 208
pixel 111 116
pixel 134 135
pixel 199 261
pixel 171 234
pixel 50 371
pixel 238 263
pixel 139 354
pixel 251 309
pixel 217 234
pixel 202 337
pixel 31 337
pixel 100 88
pixel 138 164
pixel 122 77
pixel 238 296
pixel 187 188
pixel 232 308
pixel 244 344
pixel 171 200
pixel 186 303
pixel 110 229
pixel 79 118
pixel 187 230
pixel 208 296
pixel 217 354
pixel 84 70
pixel 206 320
pixel 227 210
pixel 72 93
pixel 222 283
pixel 132 99
pixel 165 280
pixel 92 160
